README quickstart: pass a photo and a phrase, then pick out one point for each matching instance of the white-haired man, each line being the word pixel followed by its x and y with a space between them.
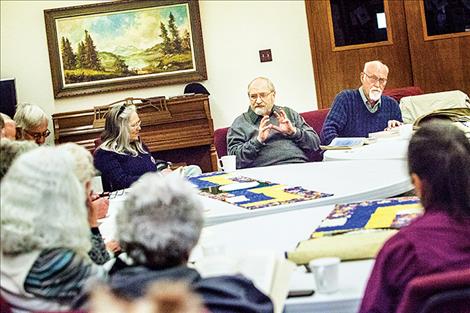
pixel 32 122
pixel 358 112
pixel 268 134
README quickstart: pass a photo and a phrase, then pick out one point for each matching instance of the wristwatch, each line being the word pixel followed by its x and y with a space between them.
pixel 163 165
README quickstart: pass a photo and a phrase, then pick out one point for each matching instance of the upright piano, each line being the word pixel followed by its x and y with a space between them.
pixel 178 129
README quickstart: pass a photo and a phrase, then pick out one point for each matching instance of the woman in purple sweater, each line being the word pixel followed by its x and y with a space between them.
pixel 122 157
pixel 438 241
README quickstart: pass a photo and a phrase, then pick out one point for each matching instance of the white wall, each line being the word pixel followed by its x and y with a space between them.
pixel 233 33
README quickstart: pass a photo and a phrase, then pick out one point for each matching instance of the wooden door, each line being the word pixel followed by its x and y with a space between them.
pixel 337 68
pixel 440 62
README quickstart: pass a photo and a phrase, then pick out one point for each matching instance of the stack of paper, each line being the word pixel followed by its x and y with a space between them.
pixel 269 273
pixel 344 143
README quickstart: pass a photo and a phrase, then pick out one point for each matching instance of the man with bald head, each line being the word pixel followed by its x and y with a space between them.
pixel 358 112
pixel 268 134
pixel 8 129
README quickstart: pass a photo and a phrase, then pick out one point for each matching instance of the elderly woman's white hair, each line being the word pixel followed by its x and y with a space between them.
pixel 161 220
pixel 116 135
pixel 10 150
pixel 43 204
pixel 29 116
pixel 83 165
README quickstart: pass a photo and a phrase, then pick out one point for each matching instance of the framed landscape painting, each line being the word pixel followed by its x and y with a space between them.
pixel 124 44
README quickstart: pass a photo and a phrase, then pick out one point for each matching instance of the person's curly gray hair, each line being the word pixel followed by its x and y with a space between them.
pixel 43 204
pixel 161 220
pixel 10 150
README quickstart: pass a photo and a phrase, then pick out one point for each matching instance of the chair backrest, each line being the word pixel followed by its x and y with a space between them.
pixel 4 306
pixel 441 292
pixel 220 141
pixel 398 93
pixel 313 118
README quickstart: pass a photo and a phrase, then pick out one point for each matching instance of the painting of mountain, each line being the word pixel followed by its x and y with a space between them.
pixel 125 44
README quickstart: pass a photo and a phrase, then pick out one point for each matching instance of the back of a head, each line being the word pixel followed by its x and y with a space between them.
pixel 161 297
pixel 43 204
pixel 161 221
pixel 10 150
pixel 29 116
pixel 83 161
pixel 439 153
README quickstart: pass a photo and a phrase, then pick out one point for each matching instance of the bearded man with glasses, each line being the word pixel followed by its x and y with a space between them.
pixel 358 112
pixel 268 134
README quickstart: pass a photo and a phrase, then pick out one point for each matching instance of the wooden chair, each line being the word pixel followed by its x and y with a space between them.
pixel 398 93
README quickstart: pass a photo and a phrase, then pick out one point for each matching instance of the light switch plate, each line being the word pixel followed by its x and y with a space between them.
pixel 265 55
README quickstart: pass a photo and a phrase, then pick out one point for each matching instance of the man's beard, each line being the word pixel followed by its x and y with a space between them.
pixel 261 111
pixel 375 95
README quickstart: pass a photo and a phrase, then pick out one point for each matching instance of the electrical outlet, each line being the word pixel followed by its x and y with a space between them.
pixel 265 55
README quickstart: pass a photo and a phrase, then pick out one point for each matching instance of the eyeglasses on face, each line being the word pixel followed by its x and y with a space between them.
pixel 135 125
pixel 374 79
pixel 263 95
pixel 37 135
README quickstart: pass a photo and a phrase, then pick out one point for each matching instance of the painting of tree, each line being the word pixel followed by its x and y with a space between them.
pixel 145 42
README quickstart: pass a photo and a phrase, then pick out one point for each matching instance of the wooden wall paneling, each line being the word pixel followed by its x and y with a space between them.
pixel 338 70
pixel 439 64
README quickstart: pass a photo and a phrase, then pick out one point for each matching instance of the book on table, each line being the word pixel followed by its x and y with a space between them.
pixel 345 143
pixel 268 272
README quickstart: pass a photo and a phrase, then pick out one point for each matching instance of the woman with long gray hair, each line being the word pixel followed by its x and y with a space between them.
pixel 122 157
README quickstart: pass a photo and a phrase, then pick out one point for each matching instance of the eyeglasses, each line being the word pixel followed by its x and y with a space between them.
pixel 135 125
pixel 263 95
pixel 374 79
pixel 37 135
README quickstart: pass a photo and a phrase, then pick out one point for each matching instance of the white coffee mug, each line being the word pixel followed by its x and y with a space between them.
pixel 325 271
pixel 228 163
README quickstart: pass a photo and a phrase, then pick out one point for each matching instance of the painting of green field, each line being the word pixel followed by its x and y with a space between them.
pixel 122 45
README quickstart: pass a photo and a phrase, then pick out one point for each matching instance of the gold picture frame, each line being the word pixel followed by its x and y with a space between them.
pixel 124 44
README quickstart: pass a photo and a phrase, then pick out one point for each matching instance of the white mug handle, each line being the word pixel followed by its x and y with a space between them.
pixel 221 164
